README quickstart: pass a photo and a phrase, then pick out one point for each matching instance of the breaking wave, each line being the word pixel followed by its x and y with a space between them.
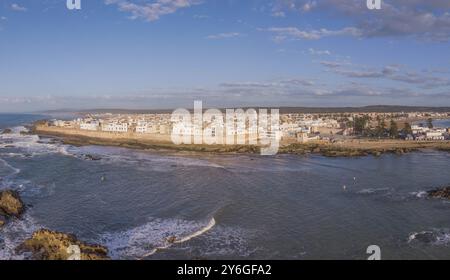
pixel 13 234
pixel 154 237
pixel 195 234
pixel 373 190
pixel 431 237
pixel 145 240
pixel 420 194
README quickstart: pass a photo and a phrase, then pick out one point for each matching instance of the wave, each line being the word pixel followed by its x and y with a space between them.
pixel 145 240
pixel 420 194
pixel 28 146
pixel 15 170
pixel 373 190
pixel 145 159
pixel 169 243
pixel 431 237
pixel 13 234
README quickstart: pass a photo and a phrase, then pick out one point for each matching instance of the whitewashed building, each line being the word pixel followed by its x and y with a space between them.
pixel 90 125
pixel 115 127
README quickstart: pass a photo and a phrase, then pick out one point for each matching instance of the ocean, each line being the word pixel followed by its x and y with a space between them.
pixel 225 206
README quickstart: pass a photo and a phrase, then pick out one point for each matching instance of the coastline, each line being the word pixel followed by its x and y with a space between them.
pixel 347 148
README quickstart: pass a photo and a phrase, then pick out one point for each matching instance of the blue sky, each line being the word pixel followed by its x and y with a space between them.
pixel 167 53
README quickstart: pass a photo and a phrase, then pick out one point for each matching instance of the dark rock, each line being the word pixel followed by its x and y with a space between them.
pixel 171 239
pixel 2 220
pixel 6 131
pixel 45 244
pixel 440 193
pixel 424 237
pixel 11 204
pixel 92 157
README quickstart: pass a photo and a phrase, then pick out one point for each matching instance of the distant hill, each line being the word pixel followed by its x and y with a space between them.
pixel 283 110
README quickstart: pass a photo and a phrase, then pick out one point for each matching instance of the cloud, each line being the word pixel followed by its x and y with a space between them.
pixel 319 52
pixel 333 64
pixel 281 83
pixel 390 72
pixel 424 20
pixel 224 35
pixel 18 8
pixel 279 14
pixel 281 92
pixel 294 33
pixel 308 6
pixel 151 10
pixel 201 17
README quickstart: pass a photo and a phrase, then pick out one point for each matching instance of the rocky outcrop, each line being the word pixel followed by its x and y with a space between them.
pixel 92 157
pixel 6 131
pixel 440 193
pixel 2 221
pixel 10 206
pixel 45 244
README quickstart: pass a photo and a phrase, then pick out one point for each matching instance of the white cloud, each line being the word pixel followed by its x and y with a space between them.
pixel 201 17
pixel 224 35
pixel 152 10
pixel 16 7
pixel 394 73
pixel 308 6
pixel 319 52
pixel 425 20
pixel 294 33
pixel 279 14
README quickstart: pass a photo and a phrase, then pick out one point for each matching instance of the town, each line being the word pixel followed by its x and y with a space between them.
pixel 293 127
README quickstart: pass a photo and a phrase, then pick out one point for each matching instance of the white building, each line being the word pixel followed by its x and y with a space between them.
pixel 91 125
pixel 434 135
pixel 115 127
pixel 142 127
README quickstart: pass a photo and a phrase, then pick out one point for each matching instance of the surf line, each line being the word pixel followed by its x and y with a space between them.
pixel 15 171
pixel 172 240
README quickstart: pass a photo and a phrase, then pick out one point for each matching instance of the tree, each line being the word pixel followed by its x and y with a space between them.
pixel 381 127
pixel 407 130
pixel 360 124
pixel 430 123
pixel 393 131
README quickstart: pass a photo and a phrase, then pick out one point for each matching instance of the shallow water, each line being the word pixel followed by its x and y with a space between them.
pixel 280 207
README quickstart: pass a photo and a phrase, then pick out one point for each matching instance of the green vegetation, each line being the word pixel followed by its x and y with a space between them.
pixel 393 131
pixel 430 123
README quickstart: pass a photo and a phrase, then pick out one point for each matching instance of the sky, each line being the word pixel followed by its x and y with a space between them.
pixel 160 54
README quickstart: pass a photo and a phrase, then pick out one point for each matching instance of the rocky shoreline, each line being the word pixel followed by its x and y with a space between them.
pixel 45 244
pixel 363 147
pixel 11 206
pixel 443 193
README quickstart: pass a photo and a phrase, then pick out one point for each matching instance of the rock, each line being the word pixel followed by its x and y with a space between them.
pixel 2 220
pixel 6 131
pixel 171 239
pixel 92 157
pixel 440 193
pixel 45 244
pixel 11 204
pixel 424 237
